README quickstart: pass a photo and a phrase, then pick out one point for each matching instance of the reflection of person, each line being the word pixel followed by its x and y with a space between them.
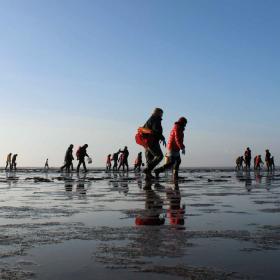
pixel 153 208
pixel 14 162
pixel 9 161
pixel 174 146
pixel 176 212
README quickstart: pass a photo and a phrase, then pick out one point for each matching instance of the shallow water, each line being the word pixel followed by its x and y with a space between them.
pixel 212 224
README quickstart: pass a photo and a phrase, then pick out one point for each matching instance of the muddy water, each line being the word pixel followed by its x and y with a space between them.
pixel 212 224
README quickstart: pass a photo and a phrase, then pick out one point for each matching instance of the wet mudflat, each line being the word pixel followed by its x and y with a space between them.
pixel 212 224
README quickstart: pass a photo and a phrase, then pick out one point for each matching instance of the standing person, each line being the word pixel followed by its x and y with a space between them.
pixel 9 161
pixel 272 165
pixel 247 158
pixel 81 154
pixel 267 159
pixel 14 162
pixel 124 159
pixel 258 162
pixel 68 159
pixel 108 163
pixel 237 161
pixel 115 159
pixel 153 131
pixel 138 162
pixel 47 164
pixel 174 146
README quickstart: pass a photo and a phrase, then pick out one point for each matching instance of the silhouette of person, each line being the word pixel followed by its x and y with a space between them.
pixel 108 163
pixel 272 164
pixel 153 151
pixel 47 164
pixel 115 159
pixel 81 157
pixel 14 162
pixel 267 159
pixel 247 158
pixel 9 161
pixel 258 162
pixel 68 159
pixel 174 146
pixel 138 162
pixel 124 159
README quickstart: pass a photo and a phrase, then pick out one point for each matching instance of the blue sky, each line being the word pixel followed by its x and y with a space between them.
pixel 92 71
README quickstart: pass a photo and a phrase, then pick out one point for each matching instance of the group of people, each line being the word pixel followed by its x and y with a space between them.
pixel 150 136
pixel 11 162
pixel 81 154
pixel 258 162
pixel 120 160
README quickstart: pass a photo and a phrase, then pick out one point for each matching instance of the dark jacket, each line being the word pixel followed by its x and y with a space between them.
pixel 154 123
pixel 69 155
pixel 83 153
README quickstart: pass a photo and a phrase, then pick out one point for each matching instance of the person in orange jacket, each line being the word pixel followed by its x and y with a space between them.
pixel 174 146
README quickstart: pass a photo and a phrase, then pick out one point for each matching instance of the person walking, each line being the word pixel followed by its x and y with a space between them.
pixel 9 161
pixel 124 159
pixel 153 132
pixel 14 162
pixel 81 154
pixel 247 158
pixel 174 146
pixel 68 159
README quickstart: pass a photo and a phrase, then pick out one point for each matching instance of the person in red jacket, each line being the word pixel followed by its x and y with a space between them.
pixel 174 146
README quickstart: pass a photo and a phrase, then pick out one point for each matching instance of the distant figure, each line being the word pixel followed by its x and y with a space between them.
pixel 258 162
pixel 124 159
pixel 81 154
pixel 239 163
pixel 268 159
pixel 68 159
pixel 47 164
pixel 14 162
pixel 115 159
pixel 272 165
pixel 153 132
pixel 9 161
pixel 108 163
pixel 138 162
pixel 174 146
pixel 247 158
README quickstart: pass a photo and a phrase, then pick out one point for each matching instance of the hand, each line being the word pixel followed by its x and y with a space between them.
pixel 183 151
pixel 164 142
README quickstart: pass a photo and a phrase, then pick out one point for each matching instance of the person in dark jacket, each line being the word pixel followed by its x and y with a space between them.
pixel 153 151
pixel 247 159
pixel 138 162
pixel 68 159
pixel 81 154
pixel 267 159
pixel 174 146
pixel 14 162
pixel 115 159
pixel 124 158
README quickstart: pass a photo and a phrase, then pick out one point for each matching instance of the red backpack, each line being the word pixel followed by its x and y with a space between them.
pixel 144 137
pixel 78 153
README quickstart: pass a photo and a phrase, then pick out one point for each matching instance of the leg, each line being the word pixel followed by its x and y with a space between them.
pixel 78 166
pixel 84 165
pixel 154 156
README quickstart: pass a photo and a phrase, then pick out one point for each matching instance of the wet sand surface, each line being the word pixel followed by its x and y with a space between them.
pixel 212 224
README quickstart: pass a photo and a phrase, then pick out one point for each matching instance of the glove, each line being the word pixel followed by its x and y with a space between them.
pixel 183 151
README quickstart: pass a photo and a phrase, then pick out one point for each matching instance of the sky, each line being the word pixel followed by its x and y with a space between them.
pixel 92 71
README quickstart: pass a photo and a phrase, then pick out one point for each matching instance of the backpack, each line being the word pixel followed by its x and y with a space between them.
pixel 78 153
pixel 144 137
